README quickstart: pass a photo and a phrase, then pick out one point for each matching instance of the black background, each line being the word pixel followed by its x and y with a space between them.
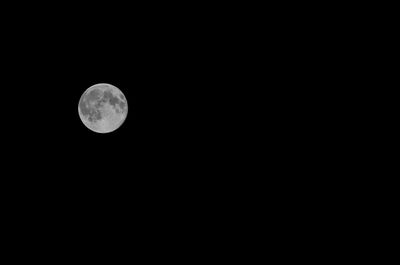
pixel 185 164
pixel 165 167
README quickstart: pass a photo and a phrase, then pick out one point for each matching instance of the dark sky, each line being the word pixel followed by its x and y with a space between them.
pixel 171 69
pixel 171 155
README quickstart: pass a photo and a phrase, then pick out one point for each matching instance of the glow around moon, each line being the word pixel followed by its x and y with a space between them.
pixel 111 117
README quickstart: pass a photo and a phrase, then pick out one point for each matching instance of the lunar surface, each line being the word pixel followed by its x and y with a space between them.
pixel 103 108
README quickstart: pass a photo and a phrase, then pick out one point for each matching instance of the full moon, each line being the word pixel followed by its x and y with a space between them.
pixel 98 114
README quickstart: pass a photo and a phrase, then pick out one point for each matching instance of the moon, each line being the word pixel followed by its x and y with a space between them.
pixel 112 117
